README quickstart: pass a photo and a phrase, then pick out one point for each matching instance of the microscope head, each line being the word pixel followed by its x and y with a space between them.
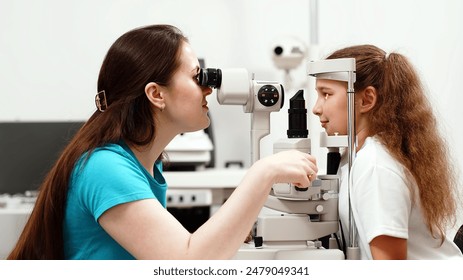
pixel 257 97
pixel 235 88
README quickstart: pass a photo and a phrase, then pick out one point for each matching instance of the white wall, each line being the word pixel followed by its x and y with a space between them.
pixel 51 51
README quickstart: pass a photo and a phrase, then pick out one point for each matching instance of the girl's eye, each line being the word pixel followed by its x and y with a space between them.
pixel 196 77
pixel 326 96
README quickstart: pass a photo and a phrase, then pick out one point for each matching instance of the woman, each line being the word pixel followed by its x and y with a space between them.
pixel 105 197
pixel 403 191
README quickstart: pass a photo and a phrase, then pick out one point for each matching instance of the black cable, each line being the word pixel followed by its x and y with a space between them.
pixel 343 238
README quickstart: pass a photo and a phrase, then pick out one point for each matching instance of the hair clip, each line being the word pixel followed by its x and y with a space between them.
pixel 386 56
pixel 100 101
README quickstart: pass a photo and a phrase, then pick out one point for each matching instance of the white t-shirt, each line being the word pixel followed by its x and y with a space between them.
pixel 382 205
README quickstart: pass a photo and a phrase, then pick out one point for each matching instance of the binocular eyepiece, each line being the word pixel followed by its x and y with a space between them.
pixel 210 77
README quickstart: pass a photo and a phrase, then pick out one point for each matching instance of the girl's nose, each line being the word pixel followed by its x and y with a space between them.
pixel 316 110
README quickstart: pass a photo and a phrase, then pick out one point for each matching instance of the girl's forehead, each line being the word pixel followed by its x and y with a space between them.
pixel 330 84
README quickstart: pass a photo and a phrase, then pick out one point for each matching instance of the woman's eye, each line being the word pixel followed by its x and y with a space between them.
pixel 326 96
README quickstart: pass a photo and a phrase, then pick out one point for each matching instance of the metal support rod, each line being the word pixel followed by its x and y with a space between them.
pixel 260 127
pixel 353 251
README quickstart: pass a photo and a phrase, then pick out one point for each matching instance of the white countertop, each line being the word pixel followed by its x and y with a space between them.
pixel 208 178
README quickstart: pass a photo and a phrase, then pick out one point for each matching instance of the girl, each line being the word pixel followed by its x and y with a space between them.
pixel 403 192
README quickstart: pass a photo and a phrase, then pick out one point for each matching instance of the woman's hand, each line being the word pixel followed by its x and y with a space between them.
pixel 292 166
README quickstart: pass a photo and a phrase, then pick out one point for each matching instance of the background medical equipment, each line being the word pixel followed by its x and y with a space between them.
pixel 190 151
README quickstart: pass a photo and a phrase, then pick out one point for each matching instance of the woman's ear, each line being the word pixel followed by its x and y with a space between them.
pixel 368 99
pixel 155 95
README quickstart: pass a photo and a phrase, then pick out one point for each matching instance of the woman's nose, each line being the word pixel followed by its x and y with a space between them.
pixel 207 91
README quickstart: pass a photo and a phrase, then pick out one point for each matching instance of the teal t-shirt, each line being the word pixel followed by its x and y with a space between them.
pixel 112 175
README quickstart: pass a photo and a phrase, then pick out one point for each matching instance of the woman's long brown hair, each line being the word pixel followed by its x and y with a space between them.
pixel 403 120
pixel 140 56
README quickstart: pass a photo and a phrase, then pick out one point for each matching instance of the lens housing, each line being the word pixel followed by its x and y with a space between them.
pixel 210 77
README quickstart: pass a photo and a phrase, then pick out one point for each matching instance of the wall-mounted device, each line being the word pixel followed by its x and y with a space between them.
pixel 288 52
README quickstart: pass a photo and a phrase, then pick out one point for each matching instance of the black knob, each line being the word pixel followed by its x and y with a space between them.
pixel 258 241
